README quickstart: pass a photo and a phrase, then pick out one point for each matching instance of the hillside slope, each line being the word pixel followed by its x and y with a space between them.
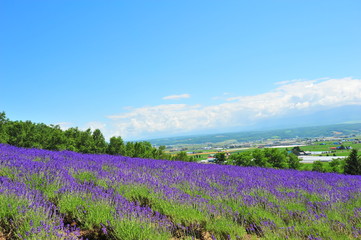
pixel 68 195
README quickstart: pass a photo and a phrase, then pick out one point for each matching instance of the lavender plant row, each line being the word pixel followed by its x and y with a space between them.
pixel 67 195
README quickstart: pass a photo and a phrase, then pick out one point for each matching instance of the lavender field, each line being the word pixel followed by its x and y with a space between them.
pixel 67 195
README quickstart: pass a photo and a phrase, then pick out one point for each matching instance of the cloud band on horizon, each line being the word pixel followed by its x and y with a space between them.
pixel 312 95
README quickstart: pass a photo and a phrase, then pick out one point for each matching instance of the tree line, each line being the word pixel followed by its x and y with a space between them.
pixel 268 157
pixel 39 135
pixel 283 159
pixel 51 137
pixel 350 165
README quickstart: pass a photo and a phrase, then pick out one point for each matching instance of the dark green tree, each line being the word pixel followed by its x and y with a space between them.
pixel 56 138
pixel 260 159
pixel 3 118
pixel 293 161
pixel 353 163
pixel 276 158
pixel 86 142
pixel 100 145
pixel 116 146
pixel 159 153
pixel 32 135
pixel 296 150
pixel 73 139
pixel 4 137
pixel 143 149
pixel 242 159
pixel 335 165
pixel 220 158
pixel 318 166
pixel 129 149
pixel 181 156
pixel 18 134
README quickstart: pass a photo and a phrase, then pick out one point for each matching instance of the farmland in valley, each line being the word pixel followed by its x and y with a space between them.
pixel 67 195
pixel 246 136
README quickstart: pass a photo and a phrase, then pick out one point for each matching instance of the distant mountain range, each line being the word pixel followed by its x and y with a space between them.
pixel 302 132
pixel 336 115
pixel 345 120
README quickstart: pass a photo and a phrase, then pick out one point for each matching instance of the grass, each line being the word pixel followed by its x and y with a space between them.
pixel 19 221
pixel 7 172
pixel 181 214
pixel 85 176
pixel 125 198
pixel 325 165
pixel 135 230
pixel 329 144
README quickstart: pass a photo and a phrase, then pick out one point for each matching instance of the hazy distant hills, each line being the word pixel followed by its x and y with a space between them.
pixel 336 115
pixel 337 121
pixel 302 132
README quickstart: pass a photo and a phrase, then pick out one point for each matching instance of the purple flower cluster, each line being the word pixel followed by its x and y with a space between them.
pixel 264 202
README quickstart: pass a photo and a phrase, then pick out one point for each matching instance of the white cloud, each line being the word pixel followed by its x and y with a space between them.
pixel 238 111
pixel 288 82
pixel 222 97
pixel 176 97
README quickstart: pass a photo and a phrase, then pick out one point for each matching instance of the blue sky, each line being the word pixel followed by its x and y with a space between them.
pixel 144 69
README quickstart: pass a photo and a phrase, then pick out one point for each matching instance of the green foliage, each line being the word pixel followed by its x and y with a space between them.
pixel 7 172
pixel 69 203
pixel 222 227
pixel 4 137
pixel 181 156
pixel 3 118
pixel 293 161
pixel 32 135
pixel 9 206
pixel 336 165
pixel 242 158
pixel 22 218
pixel 220 157
pixel 116 146
pixel 100 145
pixel 85 176
pixel 318 166
pixel 269 157
pixel 48 189
pixel 353 163
pixel 86 142
pixel 135 230
pixel 184 214
pixel 86 212
pixel 296 150
pixel 276 158
pixel 260 159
